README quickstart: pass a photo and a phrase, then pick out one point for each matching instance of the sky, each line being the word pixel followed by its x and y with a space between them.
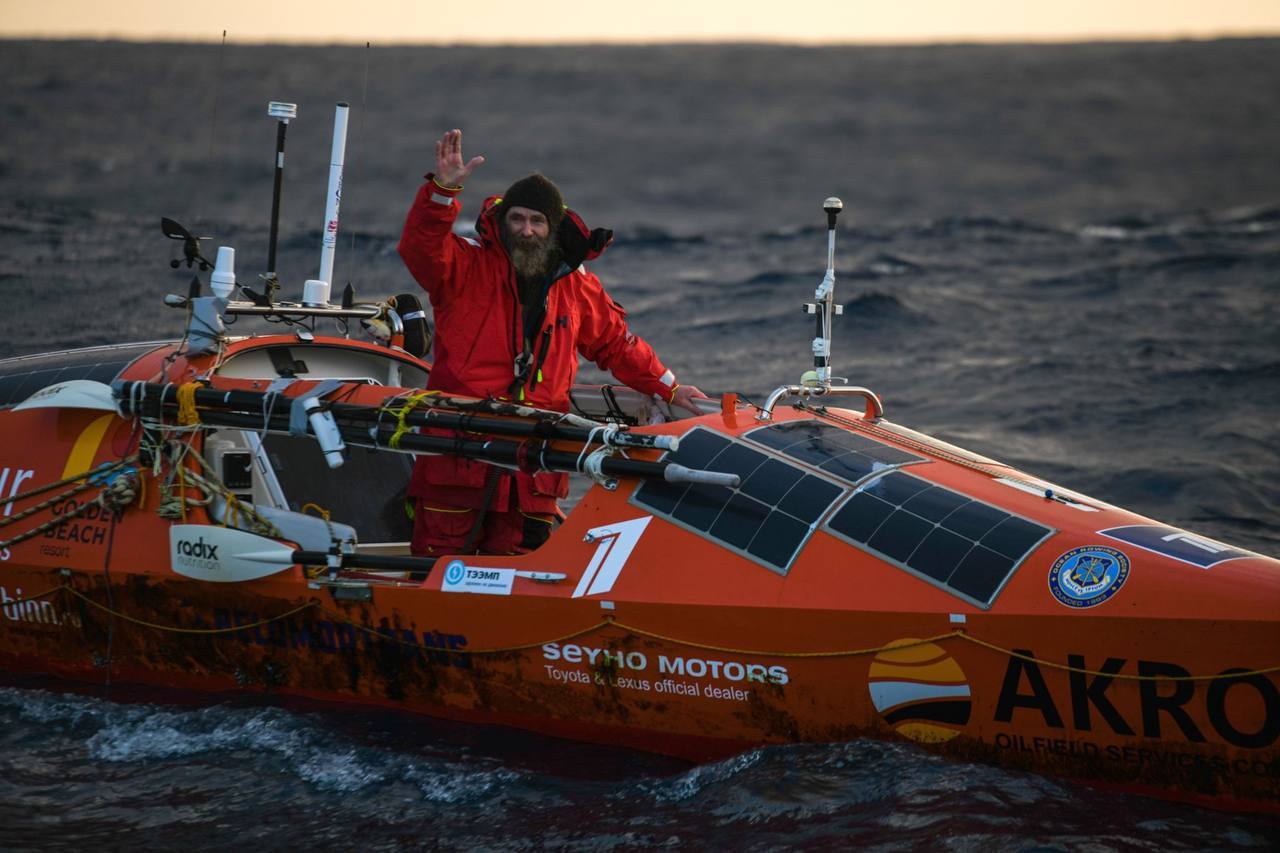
pixel 549 21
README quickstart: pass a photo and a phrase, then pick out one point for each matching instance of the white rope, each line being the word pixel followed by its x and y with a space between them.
pixel 586 446
pixel 593 467
pixel 590 463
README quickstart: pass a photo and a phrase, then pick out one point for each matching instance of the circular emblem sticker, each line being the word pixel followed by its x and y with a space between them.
pixel 1088 576
pixel 453 573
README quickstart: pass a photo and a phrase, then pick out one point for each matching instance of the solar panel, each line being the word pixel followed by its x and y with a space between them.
pixel 22 376
pixel 848 456
pixel 965 546
pixel 767 519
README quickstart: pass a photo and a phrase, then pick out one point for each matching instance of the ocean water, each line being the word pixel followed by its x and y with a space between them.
pixel 1063 257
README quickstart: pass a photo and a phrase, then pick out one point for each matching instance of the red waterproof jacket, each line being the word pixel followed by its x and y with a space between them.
pixel 480 331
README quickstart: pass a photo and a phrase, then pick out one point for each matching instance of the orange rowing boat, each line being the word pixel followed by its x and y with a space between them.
pixel 860 580
pixel 226 514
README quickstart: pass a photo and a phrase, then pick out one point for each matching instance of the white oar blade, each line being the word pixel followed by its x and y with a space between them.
pixel 225 555
pixel 73 394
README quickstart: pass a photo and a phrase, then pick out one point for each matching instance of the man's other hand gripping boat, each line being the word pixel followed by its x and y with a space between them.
pixel 226 514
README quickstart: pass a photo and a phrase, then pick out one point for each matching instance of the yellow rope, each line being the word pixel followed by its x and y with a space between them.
pixel 410 403
pixel 1124 676
pixel 835 654
pixel 610 622
pixel 171 629
pixel 187 414
pixel 211 484
pixel 940 638
pixel 231 514
pixel 324 513
pixel 317 571
pixel 32 597
pixel 182 493
pixel 142 490
pixel 491 651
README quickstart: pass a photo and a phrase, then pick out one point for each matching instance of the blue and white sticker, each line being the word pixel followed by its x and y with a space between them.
pixel 459 577
pixel 1175 543
pixel 1088 576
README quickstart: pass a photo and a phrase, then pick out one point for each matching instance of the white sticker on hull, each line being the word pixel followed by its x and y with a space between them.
pixel 459 577
pixel 616 542
pixel 225 555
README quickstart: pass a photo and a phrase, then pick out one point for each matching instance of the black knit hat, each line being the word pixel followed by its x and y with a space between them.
pixel 536 193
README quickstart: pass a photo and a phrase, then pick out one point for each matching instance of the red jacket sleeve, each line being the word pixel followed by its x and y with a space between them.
pixel 603 337
pixel 437 258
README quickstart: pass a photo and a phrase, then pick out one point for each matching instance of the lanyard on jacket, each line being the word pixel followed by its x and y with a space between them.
pixel 526 369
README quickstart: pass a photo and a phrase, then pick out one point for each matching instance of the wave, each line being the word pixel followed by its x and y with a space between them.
pixel 224 772
pixel 893 796
pixel 1138 227
pixel 988 226
pixel 1109 278
pixel 1229 373
pixel 650 236
pixel 882 309
pixel 299 744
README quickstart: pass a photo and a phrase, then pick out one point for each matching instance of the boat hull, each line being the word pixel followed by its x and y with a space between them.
pixel 1073 638
pixel 694 681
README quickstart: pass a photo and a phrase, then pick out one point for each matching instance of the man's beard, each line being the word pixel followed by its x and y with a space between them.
pixel 532 257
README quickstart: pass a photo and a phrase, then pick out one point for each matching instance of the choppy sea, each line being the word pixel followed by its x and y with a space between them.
pixel 1064 257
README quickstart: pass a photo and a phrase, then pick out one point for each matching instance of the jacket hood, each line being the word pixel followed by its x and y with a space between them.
pixel 577 242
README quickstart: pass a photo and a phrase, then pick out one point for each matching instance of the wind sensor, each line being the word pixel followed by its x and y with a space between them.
pixel 824 308
pixel 818 382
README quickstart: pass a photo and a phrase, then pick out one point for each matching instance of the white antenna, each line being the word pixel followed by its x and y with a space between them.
pixel 282 112
pixel 817 382
pixel 330 239
pixel 824 306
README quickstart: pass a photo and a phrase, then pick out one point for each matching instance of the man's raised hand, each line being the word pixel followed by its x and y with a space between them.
pixel 451 171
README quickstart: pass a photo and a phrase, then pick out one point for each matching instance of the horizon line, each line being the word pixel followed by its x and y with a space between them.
pixel 932 41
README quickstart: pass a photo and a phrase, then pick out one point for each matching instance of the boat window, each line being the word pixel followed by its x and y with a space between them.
pixel 367 492
pixel 965 546
pixel 767 519
pixel 849 456
pixel 22 376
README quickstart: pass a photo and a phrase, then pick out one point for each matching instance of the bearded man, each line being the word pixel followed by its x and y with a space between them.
pixel 513 310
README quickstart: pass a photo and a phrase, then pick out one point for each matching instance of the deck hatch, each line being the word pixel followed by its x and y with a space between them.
pixel 963 545
pixel 848 456
pixel 767 519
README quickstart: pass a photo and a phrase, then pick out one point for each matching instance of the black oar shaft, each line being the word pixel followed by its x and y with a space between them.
pixel 275 404
pixel 271 415
pixel 381 562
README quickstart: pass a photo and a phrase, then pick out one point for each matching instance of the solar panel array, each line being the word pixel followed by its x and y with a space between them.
pixel 23 376
pixel 768 517
pixel 778 505
pixel 848 456
pixel 965 546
